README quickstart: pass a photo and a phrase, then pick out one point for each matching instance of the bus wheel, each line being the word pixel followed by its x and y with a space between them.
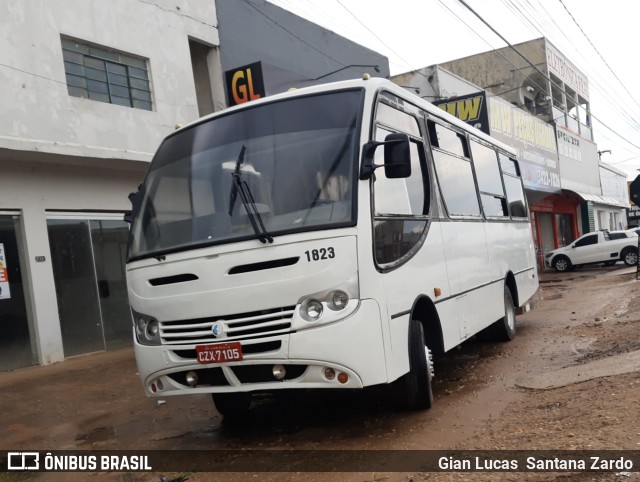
pixel 505 328
pixel 232 404
pixel 417 382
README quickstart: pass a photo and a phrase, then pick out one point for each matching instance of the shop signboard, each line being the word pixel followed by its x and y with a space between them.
pixel 566 71
pixel 244 84
pixel 471 108
pixel 5 293
pixel 578 162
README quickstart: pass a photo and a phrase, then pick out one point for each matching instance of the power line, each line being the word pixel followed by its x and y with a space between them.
pixel 463 2
pixel 599 54
pixel 374 34
pixel 34 75
pixel 248 2
pixel 532 13
pixel 595 77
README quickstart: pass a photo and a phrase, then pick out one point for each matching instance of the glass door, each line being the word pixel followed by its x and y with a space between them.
pixel 15 336
pixel 88 257
pixel 109 241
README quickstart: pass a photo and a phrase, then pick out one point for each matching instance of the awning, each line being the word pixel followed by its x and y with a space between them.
pixel 596 199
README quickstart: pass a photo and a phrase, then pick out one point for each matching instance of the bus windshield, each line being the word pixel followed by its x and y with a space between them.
pixel 263 171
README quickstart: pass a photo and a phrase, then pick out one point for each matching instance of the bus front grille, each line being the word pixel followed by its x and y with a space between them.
pixel 242 326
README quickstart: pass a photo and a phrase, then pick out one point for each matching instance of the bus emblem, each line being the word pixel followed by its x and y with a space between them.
pixel 217 329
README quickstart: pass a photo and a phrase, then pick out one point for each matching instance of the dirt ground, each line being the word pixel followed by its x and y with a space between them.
pixel 581 341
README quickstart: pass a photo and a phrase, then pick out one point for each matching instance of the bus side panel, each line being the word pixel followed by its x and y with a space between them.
pixel 419 276
pixel 523 263
pixel 468 262
pixel 503 250
pixel 511 250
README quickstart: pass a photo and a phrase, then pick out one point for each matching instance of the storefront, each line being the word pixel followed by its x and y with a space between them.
pixel 554 223
pixel 62 252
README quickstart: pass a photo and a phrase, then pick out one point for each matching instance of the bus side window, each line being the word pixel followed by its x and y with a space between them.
pixel 453 168
pixel 513 186
pixel 400 196
pixel 399 204
pixel 485 163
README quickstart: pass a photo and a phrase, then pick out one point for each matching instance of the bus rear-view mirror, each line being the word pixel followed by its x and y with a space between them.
pixel 397 156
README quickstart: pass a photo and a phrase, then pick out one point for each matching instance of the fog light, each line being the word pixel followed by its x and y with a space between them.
pixel 343 378
pixel 329 373
pixel 160 385
pixel 279 371
pixel 192 378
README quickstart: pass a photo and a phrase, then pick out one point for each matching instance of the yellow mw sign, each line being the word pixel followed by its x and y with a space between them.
pixel 244 84
pixel 467 110
pixel 470 108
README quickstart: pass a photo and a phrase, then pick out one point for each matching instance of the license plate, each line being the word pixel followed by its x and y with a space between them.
pixel 219 353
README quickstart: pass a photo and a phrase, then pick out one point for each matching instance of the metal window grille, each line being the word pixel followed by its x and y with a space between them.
pixel 104 75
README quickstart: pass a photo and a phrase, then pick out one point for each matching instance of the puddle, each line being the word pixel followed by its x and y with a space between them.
pixel 100 434
pixel 605 367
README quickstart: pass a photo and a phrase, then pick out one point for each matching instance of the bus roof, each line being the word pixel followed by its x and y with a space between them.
pixel 373 83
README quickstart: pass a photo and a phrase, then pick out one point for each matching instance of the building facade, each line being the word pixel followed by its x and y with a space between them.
pixel 540 105
pixel 90 90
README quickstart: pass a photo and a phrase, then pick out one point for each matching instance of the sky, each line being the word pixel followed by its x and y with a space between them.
pixel 599 37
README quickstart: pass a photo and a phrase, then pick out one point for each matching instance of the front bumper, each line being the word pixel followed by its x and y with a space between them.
pixel 353 346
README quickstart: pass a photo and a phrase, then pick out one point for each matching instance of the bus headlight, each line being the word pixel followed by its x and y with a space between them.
pixel 327 306
pixel 147 330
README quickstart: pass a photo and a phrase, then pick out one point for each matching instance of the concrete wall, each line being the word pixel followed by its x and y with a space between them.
pixel 292 50
pixel 434 83
pixel 31 189
pixel 64 153
pixel 614 184
pixel 503 72
pixel 38 112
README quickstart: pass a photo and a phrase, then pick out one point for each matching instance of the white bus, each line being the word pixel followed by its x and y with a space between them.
pixel 335 236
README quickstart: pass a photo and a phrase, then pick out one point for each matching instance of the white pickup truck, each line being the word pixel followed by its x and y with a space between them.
pixel 602 247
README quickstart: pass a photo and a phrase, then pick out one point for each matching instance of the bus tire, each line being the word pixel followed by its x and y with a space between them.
pixel 232 405
pixel 561 264
pixel 417 383
pixel 505 327
pixel 630 256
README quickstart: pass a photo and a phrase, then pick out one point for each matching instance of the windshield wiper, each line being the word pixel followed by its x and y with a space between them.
pixel 241 187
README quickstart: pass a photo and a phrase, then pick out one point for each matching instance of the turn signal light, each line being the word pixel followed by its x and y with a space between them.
pixel 343 378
